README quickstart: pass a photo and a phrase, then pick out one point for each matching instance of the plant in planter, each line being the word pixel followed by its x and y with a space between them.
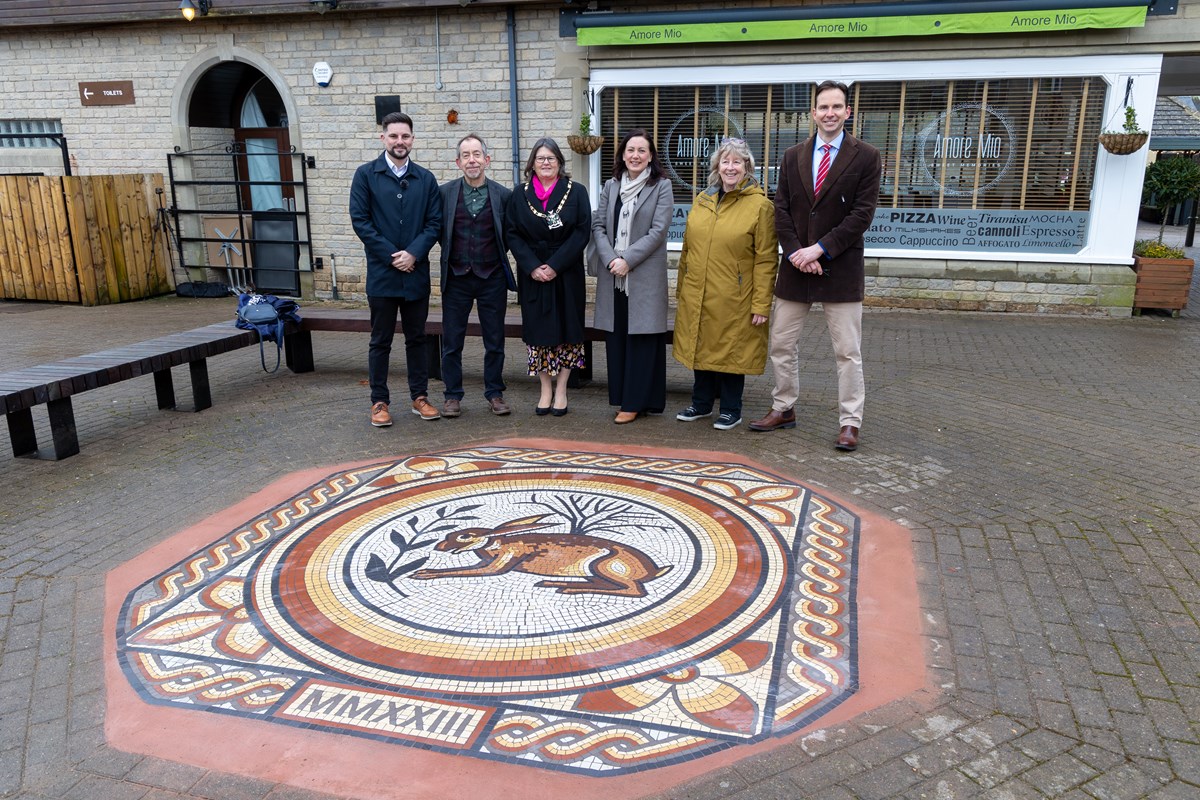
pixel 1127 140
pixel 584 142
pixel 1164 275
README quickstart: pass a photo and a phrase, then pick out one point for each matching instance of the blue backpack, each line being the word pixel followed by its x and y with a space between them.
pixel 268 315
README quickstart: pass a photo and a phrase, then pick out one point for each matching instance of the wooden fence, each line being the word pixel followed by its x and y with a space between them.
pixel 89 240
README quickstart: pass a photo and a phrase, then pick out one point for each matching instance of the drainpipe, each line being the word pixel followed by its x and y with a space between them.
pixel 514 114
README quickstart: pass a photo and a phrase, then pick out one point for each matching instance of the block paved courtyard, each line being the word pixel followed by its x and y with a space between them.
pixel 1045 468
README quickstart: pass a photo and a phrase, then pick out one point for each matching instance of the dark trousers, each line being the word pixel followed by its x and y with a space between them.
pixel 637 363
pixel 709 386
pixel 490 295
pixel 412 315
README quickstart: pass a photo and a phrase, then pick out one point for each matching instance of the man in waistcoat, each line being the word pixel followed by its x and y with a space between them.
pixel 824 203
pixel 475 270
pixel 395 210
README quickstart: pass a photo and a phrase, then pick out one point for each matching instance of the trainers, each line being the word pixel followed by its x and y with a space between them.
pixel 424 409
pixel 691 414
pixel 451 408
pixel 380 417
pixel 727 421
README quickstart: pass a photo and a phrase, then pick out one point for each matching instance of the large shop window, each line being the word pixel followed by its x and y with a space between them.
pixel 1020 145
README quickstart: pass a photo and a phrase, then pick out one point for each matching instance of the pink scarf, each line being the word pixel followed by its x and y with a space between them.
pixel 543 193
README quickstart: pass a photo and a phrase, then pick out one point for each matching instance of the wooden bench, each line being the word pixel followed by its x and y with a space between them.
pixel 54 384
pixel 297 346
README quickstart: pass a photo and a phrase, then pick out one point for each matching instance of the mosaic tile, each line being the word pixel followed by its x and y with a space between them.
pixel 586 612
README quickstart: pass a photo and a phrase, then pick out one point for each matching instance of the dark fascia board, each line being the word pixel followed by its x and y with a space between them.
pixel 26 14
pixel 586 19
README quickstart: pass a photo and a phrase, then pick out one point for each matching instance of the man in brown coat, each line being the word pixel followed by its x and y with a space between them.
pixel 824 203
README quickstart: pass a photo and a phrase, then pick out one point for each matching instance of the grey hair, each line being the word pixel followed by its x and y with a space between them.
pixel 737 147
pixel 468 137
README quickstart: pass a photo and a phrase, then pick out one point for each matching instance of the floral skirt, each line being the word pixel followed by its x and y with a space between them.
pixel 552 358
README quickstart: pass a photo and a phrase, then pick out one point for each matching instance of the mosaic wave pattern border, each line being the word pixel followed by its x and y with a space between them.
pixel 594 613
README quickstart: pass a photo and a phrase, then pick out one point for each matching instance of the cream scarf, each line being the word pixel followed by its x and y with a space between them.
pixel 630 188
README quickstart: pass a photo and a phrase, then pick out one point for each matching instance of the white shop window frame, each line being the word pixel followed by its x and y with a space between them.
pixel 1117 189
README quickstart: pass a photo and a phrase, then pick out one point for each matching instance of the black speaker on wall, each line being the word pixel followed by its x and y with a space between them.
pixel 385 104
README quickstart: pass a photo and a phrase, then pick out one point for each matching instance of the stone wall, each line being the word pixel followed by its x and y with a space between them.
pixel 1026 287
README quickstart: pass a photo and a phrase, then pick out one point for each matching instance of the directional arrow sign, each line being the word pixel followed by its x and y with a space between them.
pixel 106 93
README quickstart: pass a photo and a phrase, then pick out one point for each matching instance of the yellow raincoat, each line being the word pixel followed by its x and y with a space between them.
pixel 726 273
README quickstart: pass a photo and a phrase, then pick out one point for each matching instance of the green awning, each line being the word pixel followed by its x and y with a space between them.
pixel 850 22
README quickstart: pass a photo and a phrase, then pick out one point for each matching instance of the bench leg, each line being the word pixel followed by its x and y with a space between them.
pixel 201 392
pixel 62 428
pixel 164 388
pixel 297 349
pixel 20 430
pixel 433 354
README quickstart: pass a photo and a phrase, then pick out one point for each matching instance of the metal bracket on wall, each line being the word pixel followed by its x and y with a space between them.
pixel 1161 7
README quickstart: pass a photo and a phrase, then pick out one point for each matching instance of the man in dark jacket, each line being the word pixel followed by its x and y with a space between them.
pixel 824 203
pixel 475 270
pixel 397 212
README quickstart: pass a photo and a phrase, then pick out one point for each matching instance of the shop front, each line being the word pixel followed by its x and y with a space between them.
pixel 995 194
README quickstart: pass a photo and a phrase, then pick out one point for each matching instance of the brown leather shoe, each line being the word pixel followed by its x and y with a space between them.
pixel 380 417
pixel 847 438
pixel 498 406
pixel 424 409
pixel 774 420
pixel 451 407
pixel 625 417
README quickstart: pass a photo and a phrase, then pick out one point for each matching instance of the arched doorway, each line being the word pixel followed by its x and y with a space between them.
pixel 241 181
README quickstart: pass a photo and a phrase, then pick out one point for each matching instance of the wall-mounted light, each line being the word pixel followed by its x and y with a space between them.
pixel 321 6
pixel 189 8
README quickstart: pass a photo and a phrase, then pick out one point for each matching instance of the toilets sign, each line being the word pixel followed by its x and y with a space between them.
pixel 106 93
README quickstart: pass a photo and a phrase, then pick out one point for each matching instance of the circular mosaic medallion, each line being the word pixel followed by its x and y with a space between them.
pixel 530 583
pixel 588 611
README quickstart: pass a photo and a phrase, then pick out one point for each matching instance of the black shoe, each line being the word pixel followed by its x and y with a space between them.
pixel 691 414
pixel 541 411
pixel 560 412
pixel 727 421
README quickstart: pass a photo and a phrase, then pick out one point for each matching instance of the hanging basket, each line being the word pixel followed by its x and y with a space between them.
pixel 585 145
pixel 1122 144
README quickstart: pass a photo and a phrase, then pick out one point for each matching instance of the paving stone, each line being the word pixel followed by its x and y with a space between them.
pixel 95 786
pixel 947 786
pixel 1185 760
pixel 883 782
pixel 1137 734
pixel 217 786
pixel 997 766
pixel 825 771
pixel 1124 783
pixel 1059 774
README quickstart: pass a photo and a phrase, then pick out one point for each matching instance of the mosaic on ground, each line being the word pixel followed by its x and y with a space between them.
pixel 595 613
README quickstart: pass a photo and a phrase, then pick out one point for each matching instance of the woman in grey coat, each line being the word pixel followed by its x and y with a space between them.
pixel 629 258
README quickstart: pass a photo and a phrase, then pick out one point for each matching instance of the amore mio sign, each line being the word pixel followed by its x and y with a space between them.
pixel 966 150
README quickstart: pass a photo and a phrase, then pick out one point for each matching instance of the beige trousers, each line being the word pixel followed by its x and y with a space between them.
pixel 844 321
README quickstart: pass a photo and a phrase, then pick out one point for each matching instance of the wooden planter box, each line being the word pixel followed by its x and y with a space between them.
pixel 1162 283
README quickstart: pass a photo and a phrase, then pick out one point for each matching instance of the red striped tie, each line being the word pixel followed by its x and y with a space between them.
pixel 823 169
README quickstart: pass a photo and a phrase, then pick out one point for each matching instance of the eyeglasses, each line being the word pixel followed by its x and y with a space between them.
pixel 730 140
pixel 546 159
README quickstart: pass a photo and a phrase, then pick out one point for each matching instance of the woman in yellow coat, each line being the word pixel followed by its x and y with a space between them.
pixel 723 294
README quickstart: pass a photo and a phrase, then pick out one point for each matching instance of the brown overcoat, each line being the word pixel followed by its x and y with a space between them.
pixel 837 218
